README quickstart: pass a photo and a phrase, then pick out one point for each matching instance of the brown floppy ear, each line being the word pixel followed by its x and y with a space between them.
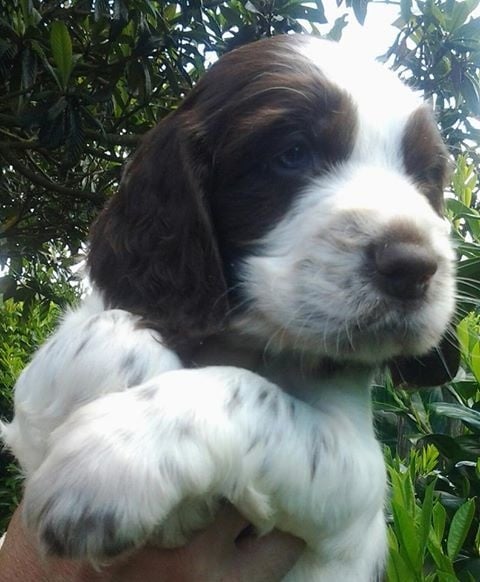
pixel 152 249
pixel 434 369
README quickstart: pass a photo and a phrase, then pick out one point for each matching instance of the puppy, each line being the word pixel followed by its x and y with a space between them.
pixel 274 241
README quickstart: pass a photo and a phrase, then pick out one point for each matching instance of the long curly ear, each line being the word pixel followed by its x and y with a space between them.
pixel 153 249
pixel 435 368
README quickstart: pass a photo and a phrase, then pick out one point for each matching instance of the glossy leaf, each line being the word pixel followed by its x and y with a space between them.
pixel 470 417
pixel 459 528
pixel 61 46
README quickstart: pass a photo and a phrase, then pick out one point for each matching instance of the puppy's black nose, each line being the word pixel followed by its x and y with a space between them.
pixel 403 269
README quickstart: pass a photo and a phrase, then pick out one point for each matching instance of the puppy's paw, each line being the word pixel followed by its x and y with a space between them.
pixel 82 532
pixel 107 486
pixel 94 507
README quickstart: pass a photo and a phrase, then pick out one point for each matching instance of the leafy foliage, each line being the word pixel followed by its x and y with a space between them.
pixel 81 80
pixel 433 437
pixel 428 540
pixel 437 49
pixel 25 328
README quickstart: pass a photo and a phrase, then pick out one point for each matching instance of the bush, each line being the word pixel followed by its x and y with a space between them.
pixel 24 328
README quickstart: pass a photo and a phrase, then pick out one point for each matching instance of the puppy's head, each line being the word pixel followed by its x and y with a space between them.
pixel 294 196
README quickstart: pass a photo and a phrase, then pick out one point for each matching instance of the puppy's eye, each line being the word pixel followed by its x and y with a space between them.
pixel 296 158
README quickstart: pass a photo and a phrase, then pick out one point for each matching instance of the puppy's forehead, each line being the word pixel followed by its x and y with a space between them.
pixel 315 61
pixel 383 103
pixel 371 85
pixel 263 82
pixel 273 72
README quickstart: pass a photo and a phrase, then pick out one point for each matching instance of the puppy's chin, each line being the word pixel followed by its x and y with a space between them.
pixel 366 345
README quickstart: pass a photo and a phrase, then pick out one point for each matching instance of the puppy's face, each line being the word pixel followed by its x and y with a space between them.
pixel 327 200
pixel 294 196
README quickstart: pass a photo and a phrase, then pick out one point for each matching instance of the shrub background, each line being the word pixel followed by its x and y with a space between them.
pixel 80 81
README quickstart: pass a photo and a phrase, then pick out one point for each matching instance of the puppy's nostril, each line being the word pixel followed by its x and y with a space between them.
pixel 404 269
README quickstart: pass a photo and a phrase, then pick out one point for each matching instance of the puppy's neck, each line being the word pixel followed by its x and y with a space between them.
pixel 314 380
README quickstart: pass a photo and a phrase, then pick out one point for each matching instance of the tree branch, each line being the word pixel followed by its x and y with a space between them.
pixel 19 145
pixel 127 139
pixel 113 138
pixel 46 183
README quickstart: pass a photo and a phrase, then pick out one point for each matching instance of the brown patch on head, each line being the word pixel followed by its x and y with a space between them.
pixel 425 156
pixel 253 106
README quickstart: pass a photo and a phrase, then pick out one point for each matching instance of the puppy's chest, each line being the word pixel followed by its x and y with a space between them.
pixel 311 380
pixel 337 395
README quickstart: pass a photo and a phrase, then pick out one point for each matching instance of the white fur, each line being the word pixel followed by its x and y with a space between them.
pixel 109 466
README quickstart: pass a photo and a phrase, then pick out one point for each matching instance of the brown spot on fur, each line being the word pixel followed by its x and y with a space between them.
pixel 262 396
pixel 81 347
pixel 425 156
pixel 235 401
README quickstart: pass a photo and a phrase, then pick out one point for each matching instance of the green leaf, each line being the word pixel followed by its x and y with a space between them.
pixel 307 13
pixel 469 570
pixel 451 448
pixel 471 91
pixel 250 6
pixel 468 32
pixel 406 9
pixel 402 490
pixel 407 536
pixel 29 68
pixel 468 416
pixel 336 31
pixel 446 577
pixel 61 45
pixel 462 210
pixel 469 268
pixel 461 11
pixel 442 561
pixel 397 569
pixel 439 519
pixel 41 53
pixel 360 9
pixel 435 15
pixel 426 516
pixel 459 528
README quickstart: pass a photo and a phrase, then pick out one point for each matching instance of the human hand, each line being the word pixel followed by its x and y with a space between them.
pixel 218 554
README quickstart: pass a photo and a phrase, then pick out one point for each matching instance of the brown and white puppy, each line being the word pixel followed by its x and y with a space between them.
pixel 274 241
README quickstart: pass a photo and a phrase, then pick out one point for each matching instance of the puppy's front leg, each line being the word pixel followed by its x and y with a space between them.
pixel 118 466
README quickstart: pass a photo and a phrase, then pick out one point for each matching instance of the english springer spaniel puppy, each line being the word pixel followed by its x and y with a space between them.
pixel 275 240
